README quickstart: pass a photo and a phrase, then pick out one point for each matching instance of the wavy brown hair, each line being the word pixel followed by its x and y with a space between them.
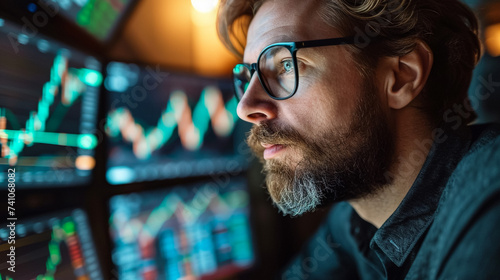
pixel 389 28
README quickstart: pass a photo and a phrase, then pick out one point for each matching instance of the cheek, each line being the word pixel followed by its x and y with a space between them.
pixel 334 102
pixel 324 100
pixel 343 91
pixel 314 110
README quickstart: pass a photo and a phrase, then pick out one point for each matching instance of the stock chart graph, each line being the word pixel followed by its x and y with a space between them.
pixel 51 247
pixel 98 17
pixel 182 126
pixel 48 111
pixel 199 231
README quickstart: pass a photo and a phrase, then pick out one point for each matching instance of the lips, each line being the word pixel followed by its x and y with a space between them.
pixel 270 150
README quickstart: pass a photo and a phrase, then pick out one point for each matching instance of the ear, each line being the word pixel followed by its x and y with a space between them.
pixel 406 75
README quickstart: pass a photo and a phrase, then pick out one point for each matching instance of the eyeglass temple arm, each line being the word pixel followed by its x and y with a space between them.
pixel 326 42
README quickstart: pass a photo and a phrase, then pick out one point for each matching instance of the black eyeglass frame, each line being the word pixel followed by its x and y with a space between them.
pixel 292 47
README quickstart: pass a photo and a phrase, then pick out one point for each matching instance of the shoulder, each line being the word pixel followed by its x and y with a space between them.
pixel 475 180
pixel 468 214
pixel 477 175
pixel 485 145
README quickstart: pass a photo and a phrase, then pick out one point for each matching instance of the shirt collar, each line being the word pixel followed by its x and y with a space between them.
pixel 401 232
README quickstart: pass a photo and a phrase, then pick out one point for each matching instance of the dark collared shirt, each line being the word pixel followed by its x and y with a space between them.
pixel 446 227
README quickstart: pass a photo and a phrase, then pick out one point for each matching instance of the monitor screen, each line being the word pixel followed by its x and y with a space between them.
pixel 163 125
pixel 57 246
pixel 48 110
pixel 199 231
pixel 100 18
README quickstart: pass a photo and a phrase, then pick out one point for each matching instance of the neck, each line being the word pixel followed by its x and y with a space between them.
pixel 412 145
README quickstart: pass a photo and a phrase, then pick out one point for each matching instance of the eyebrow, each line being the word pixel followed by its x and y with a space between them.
pixel 281 39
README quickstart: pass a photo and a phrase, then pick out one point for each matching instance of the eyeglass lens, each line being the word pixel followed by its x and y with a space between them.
pixel 277 73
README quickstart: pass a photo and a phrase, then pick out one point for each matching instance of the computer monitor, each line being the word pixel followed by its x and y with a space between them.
pixel 164 125
pixel 98 18
pixel 48 111
pixel 57 246
pixel 201 230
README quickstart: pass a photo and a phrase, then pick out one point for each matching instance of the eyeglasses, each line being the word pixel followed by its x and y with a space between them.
pixel 277 69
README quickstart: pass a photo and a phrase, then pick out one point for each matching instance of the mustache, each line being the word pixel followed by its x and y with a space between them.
pixel 269 133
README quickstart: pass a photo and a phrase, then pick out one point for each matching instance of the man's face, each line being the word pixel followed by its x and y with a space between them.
pixel 331 140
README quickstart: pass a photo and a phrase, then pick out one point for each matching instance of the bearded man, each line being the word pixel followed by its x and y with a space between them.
pixel 364 103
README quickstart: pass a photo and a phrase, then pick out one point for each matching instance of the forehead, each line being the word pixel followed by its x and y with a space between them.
pixel 285 21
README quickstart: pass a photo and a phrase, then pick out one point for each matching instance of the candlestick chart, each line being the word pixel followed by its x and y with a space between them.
pixel 186 126
pixel 55 246
pixel 48 111
pixel 200 230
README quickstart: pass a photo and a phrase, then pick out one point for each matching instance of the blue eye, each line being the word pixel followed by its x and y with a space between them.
pixel 287 66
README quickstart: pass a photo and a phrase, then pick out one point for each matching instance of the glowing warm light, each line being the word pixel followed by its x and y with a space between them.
pixel 204 6
pixel 84 162
pixel 492 34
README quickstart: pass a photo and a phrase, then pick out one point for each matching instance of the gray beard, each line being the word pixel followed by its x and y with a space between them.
pixel 298 196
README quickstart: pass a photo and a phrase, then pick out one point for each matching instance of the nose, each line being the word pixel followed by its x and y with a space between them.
pixel 256 105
